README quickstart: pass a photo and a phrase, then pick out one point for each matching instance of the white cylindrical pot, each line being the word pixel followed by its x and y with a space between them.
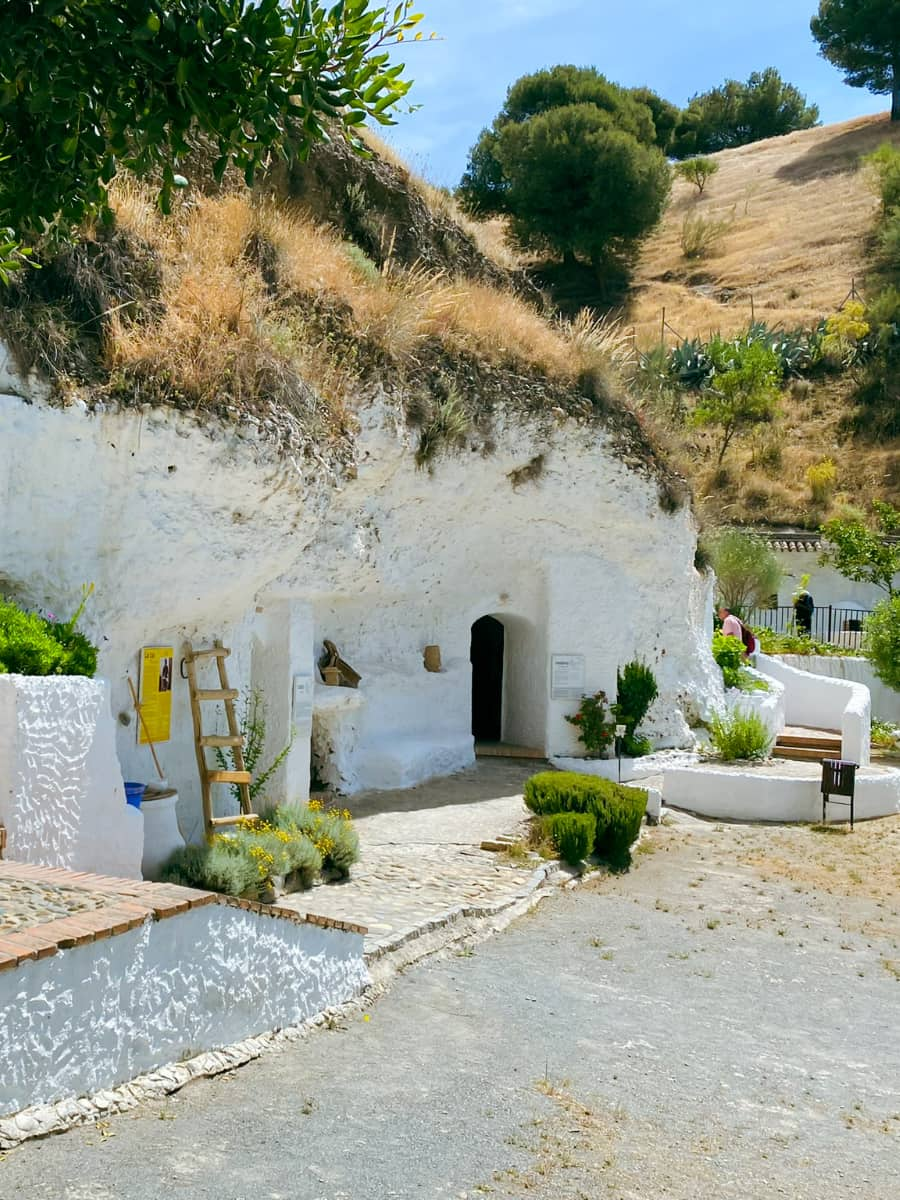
pixel 161 833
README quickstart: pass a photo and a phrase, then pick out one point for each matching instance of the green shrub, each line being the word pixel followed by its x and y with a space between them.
pixel 697 171
pixel 34 645
pixel 729 654
pixel 572 833
pixel 635 691
pixel 216 868
pixel 882 640
pixel 331 832
pixel 617 810
pixel 739 736
pixel 595 725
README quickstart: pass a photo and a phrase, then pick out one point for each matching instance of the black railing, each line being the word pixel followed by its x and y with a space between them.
pixel 839 626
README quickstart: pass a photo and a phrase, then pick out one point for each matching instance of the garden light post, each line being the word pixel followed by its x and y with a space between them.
pixel 620 733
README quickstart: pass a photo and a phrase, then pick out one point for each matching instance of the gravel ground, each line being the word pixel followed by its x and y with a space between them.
pixel 703 1028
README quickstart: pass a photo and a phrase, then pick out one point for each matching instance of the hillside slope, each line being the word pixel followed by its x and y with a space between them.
pixel 801 213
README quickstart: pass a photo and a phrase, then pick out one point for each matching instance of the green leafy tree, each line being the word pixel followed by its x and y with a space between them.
pixel 743 395
pixel 697 171
pixel 89 87
pixel 573 160
pixel 862 38
pixel 866 553
pixel 882 641
pixel 666 115
pixel 737 113
pixel 746 569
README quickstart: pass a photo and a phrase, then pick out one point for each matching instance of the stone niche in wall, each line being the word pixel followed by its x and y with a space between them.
pixel 61 794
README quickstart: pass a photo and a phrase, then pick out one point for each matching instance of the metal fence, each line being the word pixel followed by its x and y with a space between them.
pixel 839 626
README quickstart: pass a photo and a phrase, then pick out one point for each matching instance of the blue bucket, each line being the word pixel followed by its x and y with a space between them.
pixel 134 793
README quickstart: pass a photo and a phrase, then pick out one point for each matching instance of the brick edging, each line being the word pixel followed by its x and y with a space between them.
pixel 135 902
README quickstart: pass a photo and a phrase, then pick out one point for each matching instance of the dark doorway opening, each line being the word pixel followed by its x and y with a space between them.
pixel 487 679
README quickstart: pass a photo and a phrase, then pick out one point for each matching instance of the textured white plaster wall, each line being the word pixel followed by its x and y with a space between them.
pixel 188 529
pixel 748 795
pixel 885 700
pixel 61 794
pixel 97 1015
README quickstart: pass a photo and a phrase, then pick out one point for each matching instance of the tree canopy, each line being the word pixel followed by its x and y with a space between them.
pixel 88 87
pixel 862 552
pixel 737 113
pixel 574 160
pixel 747 571
pixel 862 38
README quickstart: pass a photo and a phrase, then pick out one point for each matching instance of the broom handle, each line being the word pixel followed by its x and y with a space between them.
pixel 137 709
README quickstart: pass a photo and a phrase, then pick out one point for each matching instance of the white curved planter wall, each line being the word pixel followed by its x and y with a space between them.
pixel 818 702
pixel 885 700
pixel 61 794
pixel 744 794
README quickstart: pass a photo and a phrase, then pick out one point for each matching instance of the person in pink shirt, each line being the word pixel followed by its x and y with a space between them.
pixel 731 625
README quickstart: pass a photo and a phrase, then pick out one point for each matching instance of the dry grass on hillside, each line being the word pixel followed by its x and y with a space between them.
pixel 802 212
pixel 227 333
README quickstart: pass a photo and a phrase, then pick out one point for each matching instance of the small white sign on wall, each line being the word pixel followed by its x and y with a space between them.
pixel 303 701
pixel 566 676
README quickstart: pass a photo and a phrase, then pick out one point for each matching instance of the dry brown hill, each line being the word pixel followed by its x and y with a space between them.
pixel 801 211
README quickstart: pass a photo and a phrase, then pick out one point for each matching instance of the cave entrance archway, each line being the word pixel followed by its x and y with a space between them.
pixel 487 658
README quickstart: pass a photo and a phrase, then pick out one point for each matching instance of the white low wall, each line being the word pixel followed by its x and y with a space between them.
pixel 751 795
pixel 61 794
pixel 100 1014
pixel 819 702
pixel 885 700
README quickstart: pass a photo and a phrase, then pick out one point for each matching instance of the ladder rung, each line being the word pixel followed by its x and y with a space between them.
pixel 214 652
pixel 221 739
pixel 229 777
pixel 235 819
pixel 218 694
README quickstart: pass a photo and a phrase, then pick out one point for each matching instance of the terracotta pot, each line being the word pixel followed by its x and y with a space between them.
pixel 432 658
pixel 332 676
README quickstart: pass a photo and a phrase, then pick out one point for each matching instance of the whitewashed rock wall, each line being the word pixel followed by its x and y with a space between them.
pixel 203 531
pixel 61 794
pixel 100 1014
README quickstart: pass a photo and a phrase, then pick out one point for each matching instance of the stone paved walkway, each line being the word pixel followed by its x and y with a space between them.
pixel 24 904
pixel 420 852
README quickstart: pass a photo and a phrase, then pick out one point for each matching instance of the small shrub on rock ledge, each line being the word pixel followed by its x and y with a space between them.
pixel 617 810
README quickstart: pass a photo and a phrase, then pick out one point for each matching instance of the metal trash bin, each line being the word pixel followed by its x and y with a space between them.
pixel 838 779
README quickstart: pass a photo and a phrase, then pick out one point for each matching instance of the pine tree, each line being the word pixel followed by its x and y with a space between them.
pixel 862 38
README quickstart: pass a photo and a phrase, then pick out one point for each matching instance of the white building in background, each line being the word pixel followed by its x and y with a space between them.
pixel 534 591
pixel 841 604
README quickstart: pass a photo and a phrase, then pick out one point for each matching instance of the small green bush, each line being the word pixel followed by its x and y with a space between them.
pixel 882 640
pixel 635 692
pixel 572 833
pixel 617 810
pixel 729 654
pixel 331 831
pixel 34 645
pixel 594 722
pixel 217 868
pixel 739 736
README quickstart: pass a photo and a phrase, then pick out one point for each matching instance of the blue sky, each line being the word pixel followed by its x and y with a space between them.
pixel 676 48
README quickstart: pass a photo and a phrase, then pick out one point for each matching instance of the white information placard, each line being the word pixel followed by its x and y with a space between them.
pixel 566 676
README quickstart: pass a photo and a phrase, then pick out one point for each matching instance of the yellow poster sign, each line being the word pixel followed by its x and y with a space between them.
pixel 157 664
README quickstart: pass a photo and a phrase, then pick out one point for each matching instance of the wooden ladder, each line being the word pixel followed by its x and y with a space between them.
pixel 233 738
